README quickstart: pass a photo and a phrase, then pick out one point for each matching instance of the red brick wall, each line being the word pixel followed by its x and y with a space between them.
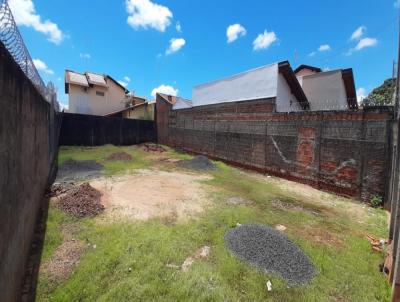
pixel 342 152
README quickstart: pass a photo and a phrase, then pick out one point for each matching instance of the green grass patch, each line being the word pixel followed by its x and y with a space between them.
pixel 140 158
pixel 56 220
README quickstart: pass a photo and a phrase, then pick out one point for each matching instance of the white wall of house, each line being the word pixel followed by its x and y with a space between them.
pixel 285 100
pixel 250 85
pixel 325 90
pixel 91 101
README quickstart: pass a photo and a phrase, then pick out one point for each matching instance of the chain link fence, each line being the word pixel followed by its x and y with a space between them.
pixel 12 40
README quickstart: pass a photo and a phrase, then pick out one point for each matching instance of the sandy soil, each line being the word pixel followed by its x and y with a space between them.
pixel 147 194
pixel 355 209
pixel 65 258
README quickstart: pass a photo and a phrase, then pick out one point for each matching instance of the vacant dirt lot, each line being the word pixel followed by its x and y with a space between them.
pixel 148 194
pixel 159 214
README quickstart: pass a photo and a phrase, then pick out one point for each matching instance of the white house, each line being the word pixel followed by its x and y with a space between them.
pixel 91 93
pixel 329 90
pixel 276 81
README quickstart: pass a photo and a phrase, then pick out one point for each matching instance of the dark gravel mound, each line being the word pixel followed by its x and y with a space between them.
pixel 150 147
pixel 270 250
pixel 199 162
pixel 75 170
pixel 82 201
pixel 120 156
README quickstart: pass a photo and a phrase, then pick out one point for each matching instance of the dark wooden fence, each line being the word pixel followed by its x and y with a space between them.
pixel 91 130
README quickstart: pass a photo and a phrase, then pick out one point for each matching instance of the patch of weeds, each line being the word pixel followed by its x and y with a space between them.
pixel 147 247
pixel 178 154
pixel 376 201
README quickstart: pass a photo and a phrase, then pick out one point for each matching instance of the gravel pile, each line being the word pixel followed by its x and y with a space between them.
pixel 120 156
pixel 199 162
pixel 150 147
pixel 270 250
pixel 76 170
pixel 82 201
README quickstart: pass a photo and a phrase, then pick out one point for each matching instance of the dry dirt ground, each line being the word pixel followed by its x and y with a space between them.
pixel 65 258
pixel 147 194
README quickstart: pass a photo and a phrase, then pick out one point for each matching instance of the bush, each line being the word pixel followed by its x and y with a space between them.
pixel 376 201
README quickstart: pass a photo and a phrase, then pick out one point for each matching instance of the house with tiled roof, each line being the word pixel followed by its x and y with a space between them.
pixel 92 93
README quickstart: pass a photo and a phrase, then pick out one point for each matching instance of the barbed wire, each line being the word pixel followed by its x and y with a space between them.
pixel 12 40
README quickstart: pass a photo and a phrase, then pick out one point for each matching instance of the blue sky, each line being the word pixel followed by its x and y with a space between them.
pixel 173 44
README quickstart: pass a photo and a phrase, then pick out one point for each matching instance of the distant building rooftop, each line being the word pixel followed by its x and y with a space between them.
pixel 87 79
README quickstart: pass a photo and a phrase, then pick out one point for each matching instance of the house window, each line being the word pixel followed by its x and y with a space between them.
pixel 100 93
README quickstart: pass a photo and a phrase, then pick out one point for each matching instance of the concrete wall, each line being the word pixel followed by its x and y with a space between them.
pixel 24 169
pixel 143 112
pixel 342 152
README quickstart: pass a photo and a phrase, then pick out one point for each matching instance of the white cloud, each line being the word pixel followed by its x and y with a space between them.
pixel 358 33
pixel 326 68
pixel 85 55
pixel 235 31
pixel 63 106
pixel 167 89
pixel 146 14
pixel 127 79
pixel 362 43
pixel 361 94
pixel 264 40
pixel 366 42
pixel 324 47
pixel 122 83
pixel 175 45
pixel 178 27
pixel 25 14
pixel 41 66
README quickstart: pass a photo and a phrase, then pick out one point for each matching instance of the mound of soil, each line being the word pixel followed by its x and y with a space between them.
pixel 75 170
pixel 120 156
pixel 150 147
pixel 82 201
pixel 199 162
pixel 271 251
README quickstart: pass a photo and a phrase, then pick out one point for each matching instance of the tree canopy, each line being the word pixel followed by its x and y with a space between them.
pixel 382 95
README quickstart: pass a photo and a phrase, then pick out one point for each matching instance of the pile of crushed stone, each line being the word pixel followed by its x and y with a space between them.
pixel 151 147
pixel 120 156
pixel 76 170
pixel 81 201
pixel 271 251
pixel 199 162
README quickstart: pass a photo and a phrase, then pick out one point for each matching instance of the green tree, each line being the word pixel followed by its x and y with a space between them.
pixel 382 95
